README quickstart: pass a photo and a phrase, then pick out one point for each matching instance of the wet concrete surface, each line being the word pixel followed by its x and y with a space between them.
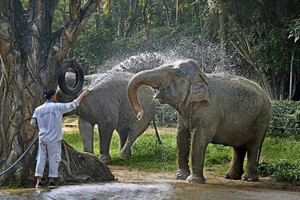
pixel 135 185
pixel 135 191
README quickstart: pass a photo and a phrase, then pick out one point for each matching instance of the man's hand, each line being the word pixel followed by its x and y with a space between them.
pixel 83 94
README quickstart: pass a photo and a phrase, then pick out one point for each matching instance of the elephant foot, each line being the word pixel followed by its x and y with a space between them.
pixel 233 175
pixel 195 179
pixel 125 155
pixel 105 157
pixel 250 176
pixel 182 175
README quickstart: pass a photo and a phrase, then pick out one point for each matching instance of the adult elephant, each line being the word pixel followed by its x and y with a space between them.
pixel 213 108
pixel 109 108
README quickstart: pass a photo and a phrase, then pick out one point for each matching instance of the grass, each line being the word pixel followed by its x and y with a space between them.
pixel 279 159
pixel 149 154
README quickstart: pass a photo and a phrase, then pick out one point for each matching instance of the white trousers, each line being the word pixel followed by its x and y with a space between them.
pixel 53 151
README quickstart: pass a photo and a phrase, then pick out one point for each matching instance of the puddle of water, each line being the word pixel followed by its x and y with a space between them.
pixel 138 191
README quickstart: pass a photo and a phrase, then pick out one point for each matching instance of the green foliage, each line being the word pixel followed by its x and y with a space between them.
pixel 217 154
pixel 280 148
pixel 281 159
pixel 92 48
pixel 282 170
pixel 286 117
pixel 73 138
pixel 264 33
pixel 61 15
pixel 166 114
pixel 261 32
pixel 295 29
pixel 268 52
pixel 95 47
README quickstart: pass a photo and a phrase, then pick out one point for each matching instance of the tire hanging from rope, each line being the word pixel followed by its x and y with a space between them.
pixel 77 86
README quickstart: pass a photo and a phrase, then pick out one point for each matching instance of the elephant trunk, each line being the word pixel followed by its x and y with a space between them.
pixel 141 78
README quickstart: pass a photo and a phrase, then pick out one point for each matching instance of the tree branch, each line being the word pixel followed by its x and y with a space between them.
pixel 74 9
pixel 68 34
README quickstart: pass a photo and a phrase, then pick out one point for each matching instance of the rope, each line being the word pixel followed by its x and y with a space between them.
pixel 20 157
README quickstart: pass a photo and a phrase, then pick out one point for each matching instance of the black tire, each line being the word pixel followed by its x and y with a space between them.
pixel 75 89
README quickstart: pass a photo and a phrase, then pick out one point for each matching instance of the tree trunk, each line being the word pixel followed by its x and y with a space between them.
pixel 223 35
pixel 30 56
pixel 97 18
pixel 120 30
pixel 167 13
pixel 145 20
pixel 178 12
pixel 131 17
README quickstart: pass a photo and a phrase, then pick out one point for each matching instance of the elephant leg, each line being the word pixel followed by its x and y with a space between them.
pixel 127 138
pixel 105 135
pixel 253 154
pixel 126 150
pixel 86 131
pixel 123 134
pixel 251 168
pixel 236 169
pixel 183 153
pixel 254 149
pixel 198 148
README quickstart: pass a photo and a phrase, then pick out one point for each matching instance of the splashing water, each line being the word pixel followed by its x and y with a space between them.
pixel 207 54
pixel 98 82
pixel 133 64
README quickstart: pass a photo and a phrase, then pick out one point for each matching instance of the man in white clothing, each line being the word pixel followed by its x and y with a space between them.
pixel 48 119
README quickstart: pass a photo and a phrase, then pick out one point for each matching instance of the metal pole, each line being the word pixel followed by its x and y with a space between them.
pixel 291 76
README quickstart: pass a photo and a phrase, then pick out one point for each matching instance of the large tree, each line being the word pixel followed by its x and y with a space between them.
pixel 31 54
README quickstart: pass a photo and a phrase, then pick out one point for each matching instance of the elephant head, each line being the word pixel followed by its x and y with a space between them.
pixel 176 84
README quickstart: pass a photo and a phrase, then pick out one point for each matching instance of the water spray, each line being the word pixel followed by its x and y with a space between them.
pixel 187 48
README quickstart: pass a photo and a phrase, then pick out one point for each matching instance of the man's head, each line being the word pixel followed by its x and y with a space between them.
pixel 50 94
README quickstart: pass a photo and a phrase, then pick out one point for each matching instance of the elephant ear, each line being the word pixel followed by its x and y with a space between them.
pixel 199 90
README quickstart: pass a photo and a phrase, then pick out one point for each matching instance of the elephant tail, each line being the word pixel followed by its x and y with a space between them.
pixel 156 131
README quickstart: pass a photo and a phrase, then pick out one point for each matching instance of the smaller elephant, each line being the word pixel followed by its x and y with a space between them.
pixel 212 108
pixel 108 107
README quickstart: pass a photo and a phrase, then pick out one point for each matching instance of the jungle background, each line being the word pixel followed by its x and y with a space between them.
pixel 256 39
pixel 262 35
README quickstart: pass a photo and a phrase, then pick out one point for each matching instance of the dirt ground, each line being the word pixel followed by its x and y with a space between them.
pixel 128 174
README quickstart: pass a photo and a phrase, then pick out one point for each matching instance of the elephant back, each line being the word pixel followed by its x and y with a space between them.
pixel 232 95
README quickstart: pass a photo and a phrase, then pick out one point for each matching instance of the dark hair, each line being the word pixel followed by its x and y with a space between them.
pixel 49 93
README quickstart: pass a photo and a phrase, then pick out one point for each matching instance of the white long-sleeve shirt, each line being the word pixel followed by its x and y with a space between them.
pixel 48 118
